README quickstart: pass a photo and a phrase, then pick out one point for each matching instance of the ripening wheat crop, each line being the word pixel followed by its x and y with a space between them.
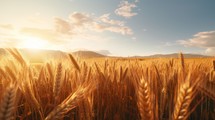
pixel 107 89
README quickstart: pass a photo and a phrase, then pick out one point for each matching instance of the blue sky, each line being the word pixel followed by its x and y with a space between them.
pixel 124 28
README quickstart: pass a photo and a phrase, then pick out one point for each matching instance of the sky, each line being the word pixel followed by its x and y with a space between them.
pixel 113 27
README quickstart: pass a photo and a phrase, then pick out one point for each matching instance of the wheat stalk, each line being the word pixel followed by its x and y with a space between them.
pixel 171 62
pixel 208 88
pixel 49 68
pixel 2 72
pixel 15 53
pixel 29 93
pixel 214 65
pixel 10 73
pixel 69 103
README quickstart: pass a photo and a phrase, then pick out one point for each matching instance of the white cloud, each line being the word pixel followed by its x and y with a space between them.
pixel 122 30
pixel 169 44
pixel 82 22
pixel 7 36
pixel 210 51
pixel 106 19
pixel 62 31
pixel 125 9
pixel 204 40
pixel 79 19
pixel 62 26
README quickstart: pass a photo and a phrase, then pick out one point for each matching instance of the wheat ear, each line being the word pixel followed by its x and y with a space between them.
pixel 144 100
pixel 181 56
pixel 74 62
pixel 57 82
pixel 184 99
pixel 7 106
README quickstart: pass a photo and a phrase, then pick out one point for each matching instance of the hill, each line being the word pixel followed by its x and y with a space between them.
pixel 34 55
pixel 87 54
pixel 42 55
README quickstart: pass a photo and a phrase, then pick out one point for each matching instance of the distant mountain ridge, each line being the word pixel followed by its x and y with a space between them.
pixel 41 55
pixel 174 55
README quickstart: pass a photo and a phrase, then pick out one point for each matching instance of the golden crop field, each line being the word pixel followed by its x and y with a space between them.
pixel 107 89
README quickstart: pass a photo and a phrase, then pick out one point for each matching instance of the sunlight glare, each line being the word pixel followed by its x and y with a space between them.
pixel 33 42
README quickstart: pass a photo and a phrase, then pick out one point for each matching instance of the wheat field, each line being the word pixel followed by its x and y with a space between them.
pixel 107 89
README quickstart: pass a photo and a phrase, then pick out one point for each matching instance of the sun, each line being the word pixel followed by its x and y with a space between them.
pixel 33 42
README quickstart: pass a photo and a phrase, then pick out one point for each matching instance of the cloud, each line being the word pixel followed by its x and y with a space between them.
pixel 169 44
pixel 104 52
pixel 125 9
pixel 122 30
pixel 80 19
pixel 78 26
pixel 204 40
pixel 7 36
pixel 64 31
pixel 82 22
pixel 201 39
pixel 62 26
pixel 106 19
pixel 99 27
pixel 6 26
pixel 210 51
